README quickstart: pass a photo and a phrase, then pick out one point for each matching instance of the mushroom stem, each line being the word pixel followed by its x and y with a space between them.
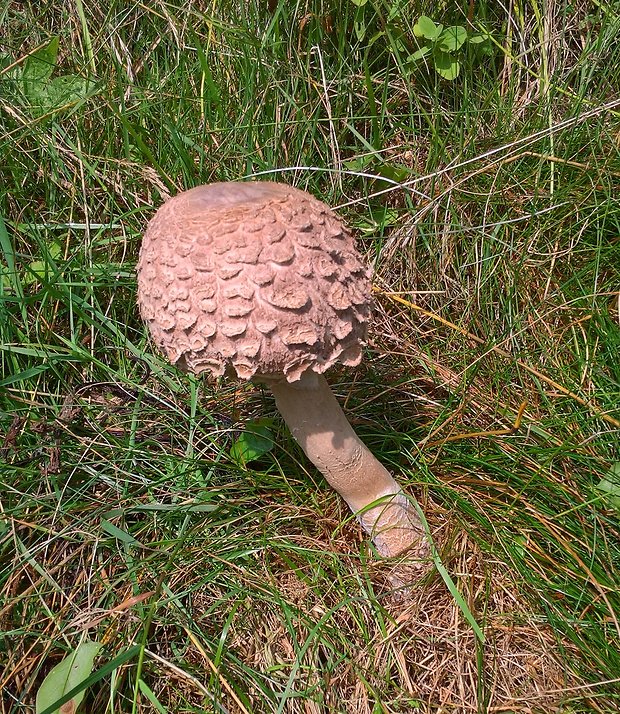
pixel 319 425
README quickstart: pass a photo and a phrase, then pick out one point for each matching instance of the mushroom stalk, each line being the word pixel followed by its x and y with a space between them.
pixel 321 428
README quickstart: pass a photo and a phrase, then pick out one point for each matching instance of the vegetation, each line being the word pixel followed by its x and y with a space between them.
pixel 488 206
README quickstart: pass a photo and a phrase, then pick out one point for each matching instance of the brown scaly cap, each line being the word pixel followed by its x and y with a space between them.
pixel 256 277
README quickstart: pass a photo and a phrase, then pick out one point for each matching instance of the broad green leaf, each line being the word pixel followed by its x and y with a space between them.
pixel 359 3
pixel 425 27
pixel 359 27
pixel 452 39
pixel 97 676
pixel 43 92
pixel 384 216
pixel 358 163
pixel 253 442
pixel 74 669
pixel 64 90
pixel 610 486
pixel 478 38
pixel 40 268
pixel 39 66
pixel 58 92
pixel 393 172
pixel 446 65
pixel 54 249
pixel 482 42
pixel 377 220
pixel 419 54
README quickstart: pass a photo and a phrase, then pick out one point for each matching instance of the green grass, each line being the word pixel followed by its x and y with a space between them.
pixel 122 515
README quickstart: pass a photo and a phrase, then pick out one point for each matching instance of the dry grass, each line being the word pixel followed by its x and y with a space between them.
pixel 417 655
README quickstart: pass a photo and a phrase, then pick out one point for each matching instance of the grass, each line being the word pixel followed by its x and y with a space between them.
pixel 497 269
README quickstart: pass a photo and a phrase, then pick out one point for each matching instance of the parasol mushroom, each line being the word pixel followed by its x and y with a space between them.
pixel 262 281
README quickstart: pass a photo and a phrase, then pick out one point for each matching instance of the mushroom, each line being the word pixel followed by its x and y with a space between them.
pixel 262 281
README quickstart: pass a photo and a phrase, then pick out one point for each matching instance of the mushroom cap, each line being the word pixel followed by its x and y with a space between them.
pixel 257 278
